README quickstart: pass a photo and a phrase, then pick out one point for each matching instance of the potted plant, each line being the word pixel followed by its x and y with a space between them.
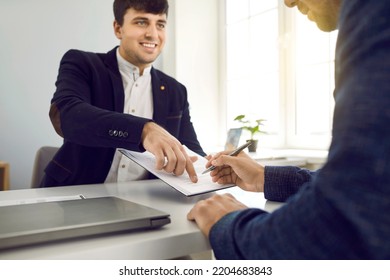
pixel 253 127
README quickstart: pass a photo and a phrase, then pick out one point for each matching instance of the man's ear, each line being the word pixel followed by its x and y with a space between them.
pixel 117 30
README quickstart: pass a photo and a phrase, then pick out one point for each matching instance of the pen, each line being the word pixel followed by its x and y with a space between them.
pixel 232 154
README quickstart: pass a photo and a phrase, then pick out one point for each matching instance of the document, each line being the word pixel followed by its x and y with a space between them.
pixel 181 183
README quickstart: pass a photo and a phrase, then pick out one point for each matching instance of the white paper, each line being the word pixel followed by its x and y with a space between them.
pixel 181 183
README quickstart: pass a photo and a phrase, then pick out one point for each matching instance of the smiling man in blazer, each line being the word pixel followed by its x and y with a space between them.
pixel 118 100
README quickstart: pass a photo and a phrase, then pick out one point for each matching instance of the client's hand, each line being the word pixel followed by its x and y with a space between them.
pixel 241 170
pixel 207 212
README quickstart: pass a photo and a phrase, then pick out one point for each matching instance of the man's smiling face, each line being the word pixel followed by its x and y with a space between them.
pixel 142 37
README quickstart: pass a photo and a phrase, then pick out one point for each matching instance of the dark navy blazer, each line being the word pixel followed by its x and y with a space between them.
pixel 87 111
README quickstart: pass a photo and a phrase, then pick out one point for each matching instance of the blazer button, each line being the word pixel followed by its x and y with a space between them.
pixel 120 133
pixel 125 134
pixel 115 133
pixel 111 132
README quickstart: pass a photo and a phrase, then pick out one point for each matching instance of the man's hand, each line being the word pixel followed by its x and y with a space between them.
pixel 207 212
pixel 168 151
pixel 241 170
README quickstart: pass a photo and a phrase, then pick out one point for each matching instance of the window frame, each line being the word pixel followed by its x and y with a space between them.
pixel 286 137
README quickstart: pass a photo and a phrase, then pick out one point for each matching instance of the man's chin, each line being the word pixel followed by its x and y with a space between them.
pixel 326 28
pixel 325 25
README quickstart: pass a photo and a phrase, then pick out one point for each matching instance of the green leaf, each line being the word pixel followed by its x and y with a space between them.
pixel 239 117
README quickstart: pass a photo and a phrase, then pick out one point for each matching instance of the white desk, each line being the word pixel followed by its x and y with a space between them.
pixel 179 238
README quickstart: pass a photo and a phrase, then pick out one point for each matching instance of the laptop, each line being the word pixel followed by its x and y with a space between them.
pixel 29 224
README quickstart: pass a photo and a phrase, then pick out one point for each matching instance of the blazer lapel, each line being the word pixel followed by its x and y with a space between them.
pixel 160 98
pixel 117 84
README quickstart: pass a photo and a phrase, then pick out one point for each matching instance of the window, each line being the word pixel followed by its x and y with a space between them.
pixel 279 67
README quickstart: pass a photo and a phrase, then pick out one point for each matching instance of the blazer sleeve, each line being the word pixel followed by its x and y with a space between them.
pixel 88 103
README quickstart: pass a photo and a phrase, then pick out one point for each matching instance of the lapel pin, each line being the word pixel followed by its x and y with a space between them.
pixel 162 87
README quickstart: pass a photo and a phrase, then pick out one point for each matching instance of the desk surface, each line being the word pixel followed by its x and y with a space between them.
pixel 179 238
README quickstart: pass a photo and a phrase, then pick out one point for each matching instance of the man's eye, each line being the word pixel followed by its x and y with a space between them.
pixel 141 23
pixel 161 26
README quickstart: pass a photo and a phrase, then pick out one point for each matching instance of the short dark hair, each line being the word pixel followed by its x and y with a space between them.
pixel 157 7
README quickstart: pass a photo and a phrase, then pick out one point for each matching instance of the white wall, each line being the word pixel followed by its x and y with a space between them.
pixel 197 34
pixel 35 34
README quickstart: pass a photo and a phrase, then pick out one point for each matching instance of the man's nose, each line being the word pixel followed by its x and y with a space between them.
pixel 290 3
pixel 151 31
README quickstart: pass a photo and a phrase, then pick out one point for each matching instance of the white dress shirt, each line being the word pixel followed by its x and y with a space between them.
pixel 138 102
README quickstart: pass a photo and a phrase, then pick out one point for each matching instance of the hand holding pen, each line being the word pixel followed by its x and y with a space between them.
pixel 241 170
pixel 233 154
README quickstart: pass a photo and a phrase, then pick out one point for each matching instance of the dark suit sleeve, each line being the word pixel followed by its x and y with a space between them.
pixel 88 104
pixel 281 182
